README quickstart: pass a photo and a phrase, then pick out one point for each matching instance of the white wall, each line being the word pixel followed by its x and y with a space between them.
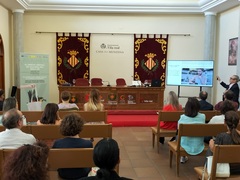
pixel 180 47
pixel 5 20
pixel 228 28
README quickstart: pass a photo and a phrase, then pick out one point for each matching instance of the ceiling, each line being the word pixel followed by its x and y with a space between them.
pixel 122 6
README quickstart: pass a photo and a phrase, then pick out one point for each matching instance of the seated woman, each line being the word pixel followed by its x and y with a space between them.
pixel 65 96
pixel 94 102
pixel 106 157
pixel 70 127
pixel 228 95
pixel 192 145
pixel 225 107
pixel 173 105
pixel 27 162
pixel 232 136
pixel 50 115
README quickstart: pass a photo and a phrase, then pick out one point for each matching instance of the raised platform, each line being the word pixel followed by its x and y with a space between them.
pixel 132 112
pixel 132 120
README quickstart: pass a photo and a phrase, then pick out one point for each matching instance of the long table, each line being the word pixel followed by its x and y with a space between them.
pixel 119 97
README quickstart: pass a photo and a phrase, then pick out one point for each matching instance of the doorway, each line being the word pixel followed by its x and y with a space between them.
pixel 2 83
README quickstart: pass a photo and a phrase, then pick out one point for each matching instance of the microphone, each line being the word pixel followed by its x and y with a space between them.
pixel 107 82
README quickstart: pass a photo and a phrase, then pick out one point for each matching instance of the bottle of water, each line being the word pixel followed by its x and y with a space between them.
pixel 24 120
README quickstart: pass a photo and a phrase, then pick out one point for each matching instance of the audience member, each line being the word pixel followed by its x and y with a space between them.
pixel 172 105
pixel 233 86
pixel 28 162
pixel 228 95
pixel 225 107
pixel 50 115
pixel 192 145
pixel 1 99
pixel 8 104
pixel 65 96
pixel 13 137
pixel 204 105
pixel 94 102
pixel 106 157
pixel 70 127
pixel 232 136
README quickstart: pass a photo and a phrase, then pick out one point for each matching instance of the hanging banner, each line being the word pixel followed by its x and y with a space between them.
pixel 34 81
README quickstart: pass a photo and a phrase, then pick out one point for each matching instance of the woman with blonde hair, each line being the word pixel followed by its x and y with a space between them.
pixel 94 102
pixel 172 105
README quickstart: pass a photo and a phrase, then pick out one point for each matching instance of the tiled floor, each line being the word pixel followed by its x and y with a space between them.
pixel 142 162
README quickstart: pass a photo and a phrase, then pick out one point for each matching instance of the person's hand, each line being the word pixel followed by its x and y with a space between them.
pixel 218 78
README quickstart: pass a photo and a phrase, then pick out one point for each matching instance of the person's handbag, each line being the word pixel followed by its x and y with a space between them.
pixel 222 170
pixel 34 104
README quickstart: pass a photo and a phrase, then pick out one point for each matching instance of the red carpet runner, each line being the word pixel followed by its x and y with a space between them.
pixel 132 118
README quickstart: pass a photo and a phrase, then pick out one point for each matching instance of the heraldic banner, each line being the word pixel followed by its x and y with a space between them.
pixel 72 57
pixel 150 55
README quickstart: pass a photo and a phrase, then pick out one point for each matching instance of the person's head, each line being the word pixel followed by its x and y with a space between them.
pixel 13 118
pixel 1 94
pixel 28 162
pixel 94 96
pixel 226 106
pixel 50 114
pixel 106 156
pixel 228 95
pixel 234 79
pixel 200 71
pixel 203 95
pixel 232 121
pixel 72 124
pixel 173 99
pixel 192 107
pixel 65 96
pixel 10 103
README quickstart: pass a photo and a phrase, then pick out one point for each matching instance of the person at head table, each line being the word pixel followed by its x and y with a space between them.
pixel 200 78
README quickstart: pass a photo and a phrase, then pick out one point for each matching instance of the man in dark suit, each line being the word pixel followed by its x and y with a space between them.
pixel 233 86
pixel 204 105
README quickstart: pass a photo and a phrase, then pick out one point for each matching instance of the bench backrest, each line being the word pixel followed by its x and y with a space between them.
pixel 48 131
pixel 224 154
pixel 89 116
pixel 70 158
pixel 89 131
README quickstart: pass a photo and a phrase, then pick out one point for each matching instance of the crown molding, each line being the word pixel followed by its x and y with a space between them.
pixel 123 6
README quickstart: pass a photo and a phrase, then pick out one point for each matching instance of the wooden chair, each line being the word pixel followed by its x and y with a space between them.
pixel 96 82
pixel 120 82
pixel 166 116
pixel 221 154
pixel 89 116
pixel 82 82
pixel 96 131
pixel 192 130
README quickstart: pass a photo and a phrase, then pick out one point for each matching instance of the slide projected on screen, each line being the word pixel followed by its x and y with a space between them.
pixel 190 73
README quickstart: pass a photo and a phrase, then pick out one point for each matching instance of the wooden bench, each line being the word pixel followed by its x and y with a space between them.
pixel 171 116
pixel 221 154
pixel 61 158
pixel 192 130
pixel 89 116
pixel 53 132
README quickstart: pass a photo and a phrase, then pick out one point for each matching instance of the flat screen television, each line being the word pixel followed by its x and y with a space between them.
pixel 189 73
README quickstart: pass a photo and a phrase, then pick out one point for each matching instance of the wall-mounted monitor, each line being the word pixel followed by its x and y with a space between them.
pixel 190 73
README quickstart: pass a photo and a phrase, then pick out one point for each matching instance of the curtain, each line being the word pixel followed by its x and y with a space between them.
pixel 72 57
pixel 150 55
